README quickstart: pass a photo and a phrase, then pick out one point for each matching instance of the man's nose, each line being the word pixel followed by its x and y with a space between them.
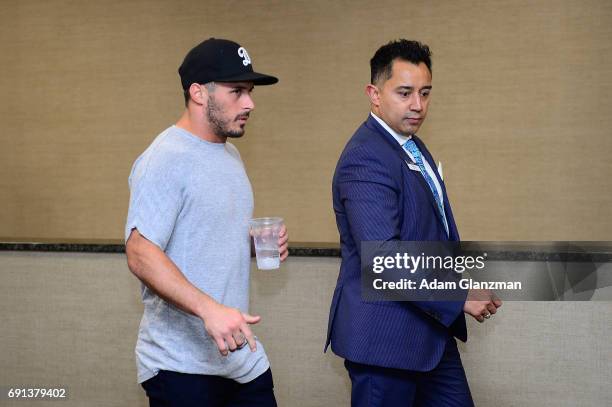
pixel 248 102
pixel 416 104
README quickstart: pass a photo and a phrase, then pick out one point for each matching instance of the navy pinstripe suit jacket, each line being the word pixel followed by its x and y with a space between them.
pixel 378 198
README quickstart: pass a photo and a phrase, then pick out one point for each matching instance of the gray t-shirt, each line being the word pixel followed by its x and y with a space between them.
pixel 192 198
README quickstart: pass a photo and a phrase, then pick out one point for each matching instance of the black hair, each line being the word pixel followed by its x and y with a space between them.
pixel 381 63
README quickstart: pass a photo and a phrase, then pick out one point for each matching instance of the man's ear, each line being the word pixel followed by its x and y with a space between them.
pixel 373 93
pixel 198 93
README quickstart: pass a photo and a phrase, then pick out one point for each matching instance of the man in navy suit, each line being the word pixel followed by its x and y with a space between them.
pixel 386 188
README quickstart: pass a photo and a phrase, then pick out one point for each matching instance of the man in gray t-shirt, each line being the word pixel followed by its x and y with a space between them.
pixel 187 240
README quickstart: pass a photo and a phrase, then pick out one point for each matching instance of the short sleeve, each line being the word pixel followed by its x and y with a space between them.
pixel 156 200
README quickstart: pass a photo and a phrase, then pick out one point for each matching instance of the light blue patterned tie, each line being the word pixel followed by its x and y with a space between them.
pixel 413 149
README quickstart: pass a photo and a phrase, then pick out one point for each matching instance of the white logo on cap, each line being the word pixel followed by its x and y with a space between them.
pixel 245 55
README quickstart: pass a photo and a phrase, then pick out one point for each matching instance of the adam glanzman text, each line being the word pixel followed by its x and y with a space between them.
pixel 423 263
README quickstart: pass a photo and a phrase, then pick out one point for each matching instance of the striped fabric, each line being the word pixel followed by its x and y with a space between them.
pixel 413 149
pixel 378 197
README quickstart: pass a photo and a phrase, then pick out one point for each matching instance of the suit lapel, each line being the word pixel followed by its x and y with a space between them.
pixel 452 228
pixel 399 150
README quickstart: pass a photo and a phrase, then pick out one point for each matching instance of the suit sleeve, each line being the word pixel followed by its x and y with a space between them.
pixel 370 198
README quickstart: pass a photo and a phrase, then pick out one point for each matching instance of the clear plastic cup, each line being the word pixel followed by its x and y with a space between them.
pixel 265 235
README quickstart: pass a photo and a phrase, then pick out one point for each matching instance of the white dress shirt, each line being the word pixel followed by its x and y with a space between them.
pixel 401 139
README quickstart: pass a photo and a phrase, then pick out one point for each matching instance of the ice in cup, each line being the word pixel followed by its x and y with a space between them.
pixel 265 235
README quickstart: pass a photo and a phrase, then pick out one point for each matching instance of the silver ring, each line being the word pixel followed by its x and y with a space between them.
pixel 243 344
pixel 487 316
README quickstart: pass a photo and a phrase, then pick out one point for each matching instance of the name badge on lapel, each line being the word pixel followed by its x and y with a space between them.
pixel 412 166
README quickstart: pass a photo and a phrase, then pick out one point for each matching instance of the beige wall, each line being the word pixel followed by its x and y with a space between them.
pixel 520 115
pixel 71 320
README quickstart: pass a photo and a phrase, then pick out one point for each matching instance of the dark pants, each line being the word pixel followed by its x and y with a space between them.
pixel 172 389
pixel 446 385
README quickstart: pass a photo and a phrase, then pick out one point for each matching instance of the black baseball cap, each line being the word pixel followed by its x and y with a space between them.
pixel 217 60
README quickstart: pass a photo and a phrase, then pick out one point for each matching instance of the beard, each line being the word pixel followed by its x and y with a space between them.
pixel 219 123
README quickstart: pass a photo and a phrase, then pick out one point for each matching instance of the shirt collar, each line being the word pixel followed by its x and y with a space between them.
pixel 400 138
